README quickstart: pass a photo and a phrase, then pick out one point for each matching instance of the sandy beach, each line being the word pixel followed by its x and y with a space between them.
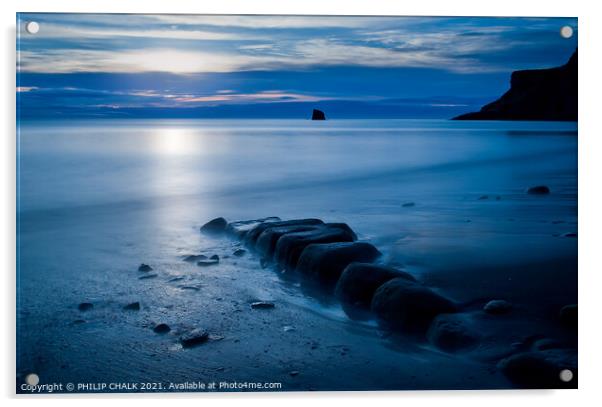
pixel 452 210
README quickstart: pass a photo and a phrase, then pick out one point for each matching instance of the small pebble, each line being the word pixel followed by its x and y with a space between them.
pixel 135 306
pixel 497 307
pixel 195 257
pixel 194 337
pixel 162 328
pixel 85 306
pixel 262 305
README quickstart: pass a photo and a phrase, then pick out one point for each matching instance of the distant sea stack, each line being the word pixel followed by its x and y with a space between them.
pixel 318 115
pixel 535 94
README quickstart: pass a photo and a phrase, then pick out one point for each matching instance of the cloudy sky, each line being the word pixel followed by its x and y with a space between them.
pixel 86 65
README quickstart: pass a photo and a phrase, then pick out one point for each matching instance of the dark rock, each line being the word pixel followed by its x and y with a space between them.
pixel 239 252
pixel 540 369
pixel 408 204
pixel 290 246
pixel 252 235
pixel 547 343
pixel 215 226
pixel 537 94
pixel 568 316
pixel 146 277
pixel 497 307
pixel 194 337
pixel 213 260
pixel 145 268
pixel 407 306
pixel 266 242
pixel 325 262
pixel 85 306
pixel 539 190
pixel 190 287
pixel 162 329
pixel 262 305
pixel 134 306
pixel 239 229
pixel 451 333
pixel 318 115
pixel 195 257
pixel 359 281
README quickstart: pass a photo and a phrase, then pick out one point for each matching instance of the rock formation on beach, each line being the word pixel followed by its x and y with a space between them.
pixel 535 94
pixel 329 257
pixel 318 115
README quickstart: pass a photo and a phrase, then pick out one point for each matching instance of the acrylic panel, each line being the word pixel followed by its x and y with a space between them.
pixel 295 203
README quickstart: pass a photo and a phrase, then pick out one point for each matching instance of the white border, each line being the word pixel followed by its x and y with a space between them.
pixel 590 226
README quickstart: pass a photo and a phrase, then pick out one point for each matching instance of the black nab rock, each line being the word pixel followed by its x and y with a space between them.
pixel 215 226
pixel 407 306
pixel 325 262
pixel 537 94
pixel 318 115
pixel 359 281
pixel 539 190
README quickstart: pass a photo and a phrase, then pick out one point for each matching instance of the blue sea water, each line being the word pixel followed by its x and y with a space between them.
pixel 98 197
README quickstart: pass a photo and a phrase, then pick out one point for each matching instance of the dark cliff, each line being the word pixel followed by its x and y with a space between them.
pixel 537 94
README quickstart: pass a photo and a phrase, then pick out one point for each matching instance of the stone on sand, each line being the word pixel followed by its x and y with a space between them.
pixel 240 228
pixel 539 190
pixel 195 257
pixel 194 337
pixel 266 242
pixel 85 306
pixel 409 307
pixel 214 226
pixel 359 281
pixel 497 307
pixel 162 328
pixel 213 260
pixel 252 235
pixel 540 369
pixel 262 305
pixel 290 246
pixel 134 306
pixel 325 262
pixel 452 333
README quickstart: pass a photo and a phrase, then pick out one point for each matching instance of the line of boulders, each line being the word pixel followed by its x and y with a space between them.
pixel 329 256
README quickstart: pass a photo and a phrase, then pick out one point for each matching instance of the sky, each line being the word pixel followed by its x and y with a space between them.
pixel 187 66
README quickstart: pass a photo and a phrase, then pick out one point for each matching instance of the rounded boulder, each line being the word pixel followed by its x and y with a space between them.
pixel 409 307
pixel 359 281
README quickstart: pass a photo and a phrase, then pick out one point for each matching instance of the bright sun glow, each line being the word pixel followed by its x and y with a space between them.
pixel 176 141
